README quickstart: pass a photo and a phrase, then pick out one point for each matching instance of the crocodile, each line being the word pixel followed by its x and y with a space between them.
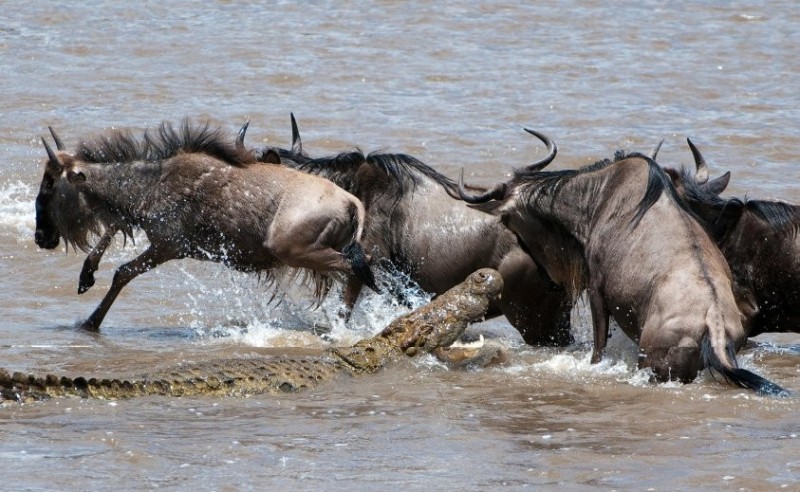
pixel 431 328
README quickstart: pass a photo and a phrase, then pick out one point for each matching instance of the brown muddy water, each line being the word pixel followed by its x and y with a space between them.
pixel 452 83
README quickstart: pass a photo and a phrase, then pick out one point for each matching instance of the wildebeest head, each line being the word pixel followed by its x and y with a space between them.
pixel 47 235
pixel 718 215
pixel 501 190
pixel 552 247
pixel 61 212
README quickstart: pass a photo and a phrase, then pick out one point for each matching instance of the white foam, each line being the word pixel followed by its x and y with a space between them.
pixel 223 303
pixel 576 365
pixel 17 209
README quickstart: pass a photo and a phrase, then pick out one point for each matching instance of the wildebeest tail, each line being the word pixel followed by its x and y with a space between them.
pixel 726 365
pixel 354 253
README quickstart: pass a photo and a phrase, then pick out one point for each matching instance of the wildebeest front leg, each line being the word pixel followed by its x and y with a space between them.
pixel 86 280
pixel 600 323
pixel 124 274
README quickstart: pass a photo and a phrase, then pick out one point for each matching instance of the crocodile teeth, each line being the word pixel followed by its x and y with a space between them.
pixel 479 343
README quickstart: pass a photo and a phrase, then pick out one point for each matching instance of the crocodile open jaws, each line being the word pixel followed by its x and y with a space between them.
pixel 430 328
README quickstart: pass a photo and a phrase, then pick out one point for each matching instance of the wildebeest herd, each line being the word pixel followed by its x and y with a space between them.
pixel 686 273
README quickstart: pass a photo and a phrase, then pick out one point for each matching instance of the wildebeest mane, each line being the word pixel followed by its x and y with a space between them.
pixel 658 182
pixel 404 169
pixel 407 168
pixel 163 142
pixel 780 216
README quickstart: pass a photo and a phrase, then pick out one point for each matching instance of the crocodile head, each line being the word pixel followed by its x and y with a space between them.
pixel 444 320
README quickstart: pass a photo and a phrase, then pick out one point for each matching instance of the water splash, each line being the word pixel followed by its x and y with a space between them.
pixel 17 212
pixel 225 304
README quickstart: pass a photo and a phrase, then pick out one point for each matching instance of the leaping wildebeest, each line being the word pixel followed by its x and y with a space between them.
pixel 417 223
pixel 195 194
pixel 759 238
pixel 645 261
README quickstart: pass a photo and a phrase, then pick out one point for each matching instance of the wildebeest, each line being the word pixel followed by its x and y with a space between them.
pixel 641 256
pixel 196 194
pixel 759 238
pixel 416 222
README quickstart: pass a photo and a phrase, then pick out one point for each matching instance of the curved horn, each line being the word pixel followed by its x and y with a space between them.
pixel 654 153
pixel 240 136
pixel 495 193
pixel 297 144
pixel 53 161
pixel 701 176
pixel 551 148
pixel 718 185
pixel 59 143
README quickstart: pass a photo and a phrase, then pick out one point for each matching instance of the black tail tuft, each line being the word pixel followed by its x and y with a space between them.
pixel 358 260
pixel 746 379
pixel 740 377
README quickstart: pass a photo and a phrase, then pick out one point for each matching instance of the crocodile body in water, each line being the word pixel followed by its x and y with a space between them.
pixel 431 328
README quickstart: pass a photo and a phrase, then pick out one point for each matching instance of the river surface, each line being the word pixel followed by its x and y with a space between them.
pixel 452 83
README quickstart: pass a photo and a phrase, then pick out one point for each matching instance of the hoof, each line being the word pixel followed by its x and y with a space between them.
pixel 85 283
pixel 88 326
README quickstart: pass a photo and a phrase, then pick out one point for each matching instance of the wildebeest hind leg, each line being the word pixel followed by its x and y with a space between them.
pixel 312 245
pixel 124 274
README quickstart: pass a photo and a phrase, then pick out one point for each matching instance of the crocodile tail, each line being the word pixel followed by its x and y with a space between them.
pixel 22 387
pixel 25 387
pixel 723 360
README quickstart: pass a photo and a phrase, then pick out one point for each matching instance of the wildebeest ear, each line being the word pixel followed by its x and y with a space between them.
pixel 271 157
pixel 76 177
pixel 718 185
